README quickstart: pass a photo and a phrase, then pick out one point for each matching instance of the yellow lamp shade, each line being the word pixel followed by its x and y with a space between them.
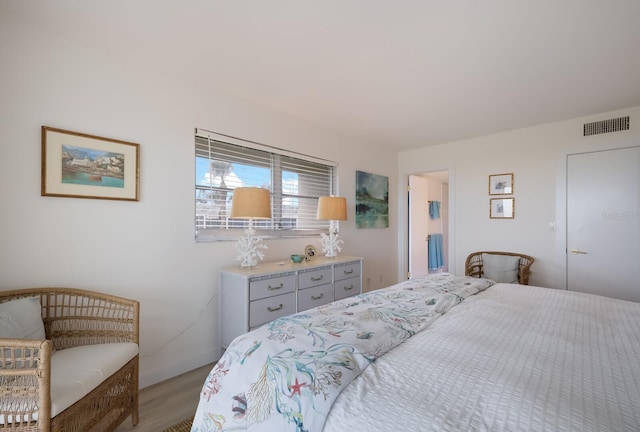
pixel 332 208
pixel 251 203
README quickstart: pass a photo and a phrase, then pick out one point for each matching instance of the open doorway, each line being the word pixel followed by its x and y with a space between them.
pixel 428 233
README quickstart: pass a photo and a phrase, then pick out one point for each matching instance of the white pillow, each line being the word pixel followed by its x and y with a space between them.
pixel 500 268
pixel 21 319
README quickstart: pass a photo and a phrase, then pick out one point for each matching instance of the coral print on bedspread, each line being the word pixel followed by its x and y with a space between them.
pixel 286 375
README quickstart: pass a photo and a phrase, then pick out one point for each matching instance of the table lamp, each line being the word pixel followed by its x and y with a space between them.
pixel 332 209
pixel 250 203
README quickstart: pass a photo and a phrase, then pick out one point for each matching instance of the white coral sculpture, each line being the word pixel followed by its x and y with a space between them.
pixel 249 247
pixel 331 244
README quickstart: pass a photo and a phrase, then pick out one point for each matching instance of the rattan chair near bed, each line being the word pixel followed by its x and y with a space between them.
pixel 72 318
pixel 474 265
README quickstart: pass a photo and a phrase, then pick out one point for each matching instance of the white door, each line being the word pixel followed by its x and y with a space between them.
pixel 444 215
pixel 603 223
pixel 418 226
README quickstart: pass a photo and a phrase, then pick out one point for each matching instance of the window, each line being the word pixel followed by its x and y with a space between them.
pixel 295 181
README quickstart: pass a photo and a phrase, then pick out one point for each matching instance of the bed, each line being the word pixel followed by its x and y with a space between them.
pixel 439 353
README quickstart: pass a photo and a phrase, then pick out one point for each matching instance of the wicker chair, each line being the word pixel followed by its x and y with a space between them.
pixel 474 266
pixel 72 317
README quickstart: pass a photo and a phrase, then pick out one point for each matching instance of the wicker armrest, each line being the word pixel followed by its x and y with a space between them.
pixel 473 270
pixel 25 379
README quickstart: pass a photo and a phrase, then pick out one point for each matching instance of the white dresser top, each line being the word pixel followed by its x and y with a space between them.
pixel 288 265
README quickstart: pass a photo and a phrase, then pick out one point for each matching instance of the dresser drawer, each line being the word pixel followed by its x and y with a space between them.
pixel 347 270
pixel 251 297
pixel 265 310
pixel 309 278
pixel 315 296
pixel 346 288
pixel 267 287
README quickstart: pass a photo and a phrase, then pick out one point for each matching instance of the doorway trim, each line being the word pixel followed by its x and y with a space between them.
pixel 403 216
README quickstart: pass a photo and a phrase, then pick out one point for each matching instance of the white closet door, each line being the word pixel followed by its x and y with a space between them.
pixel 603 223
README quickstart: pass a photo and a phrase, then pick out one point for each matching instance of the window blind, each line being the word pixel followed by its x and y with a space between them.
pixel 295 183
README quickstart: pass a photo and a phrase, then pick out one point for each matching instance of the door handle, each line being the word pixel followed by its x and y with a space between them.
pixel 577 252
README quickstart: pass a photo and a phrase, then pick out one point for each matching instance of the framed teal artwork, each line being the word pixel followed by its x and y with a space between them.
pixel 372 200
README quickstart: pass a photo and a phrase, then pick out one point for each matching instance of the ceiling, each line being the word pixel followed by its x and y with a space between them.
pixel 403 74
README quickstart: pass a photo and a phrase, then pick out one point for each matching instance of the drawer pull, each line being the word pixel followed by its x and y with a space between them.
pixel 347 272
pixel 317 297
pixel 349 288
pixel 316 279
pixel 277 287
pixel 270 309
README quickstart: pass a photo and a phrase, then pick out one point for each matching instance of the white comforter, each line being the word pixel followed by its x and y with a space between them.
pixel 512 358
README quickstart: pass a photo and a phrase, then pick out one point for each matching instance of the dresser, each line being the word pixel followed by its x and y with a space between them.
pixel 251 297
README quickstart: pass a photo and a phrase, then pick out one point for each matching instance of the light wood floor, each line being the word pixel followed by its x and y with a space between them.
pixel 164 404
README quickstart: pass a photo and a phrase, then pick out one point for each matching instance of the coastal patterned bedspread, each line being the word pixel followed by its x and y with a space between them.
pixel 286 375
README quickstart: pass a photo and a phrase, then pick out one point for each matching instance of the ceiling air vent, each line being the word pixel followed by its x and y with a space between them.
pixel 606 126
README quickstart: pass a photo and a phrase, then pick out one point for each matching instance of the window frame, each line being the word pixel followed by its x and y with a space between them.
pixel 236 227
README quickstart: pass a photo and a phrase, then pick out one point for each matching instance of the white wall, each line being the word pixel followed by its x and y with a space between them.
pixel 537 157
pixel 145 250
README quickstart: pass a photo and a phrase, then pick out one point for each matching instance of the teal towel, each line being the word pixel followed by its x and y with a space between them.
pixel 434 209
pixel 436 256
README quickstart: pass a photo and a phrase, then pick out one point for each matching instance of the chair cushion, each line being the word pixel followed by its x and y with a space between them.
pixel 21 319
pixel 500 268
pixel 76 371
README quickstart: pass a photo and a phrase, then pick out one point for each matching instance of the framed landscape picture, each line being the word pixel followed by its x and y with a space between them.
pixel 79 165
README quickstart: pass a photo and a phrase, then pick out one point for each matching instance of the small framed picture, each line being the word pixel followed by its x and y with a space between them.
pixel 78 165
pixel 502 208
pixel 501 184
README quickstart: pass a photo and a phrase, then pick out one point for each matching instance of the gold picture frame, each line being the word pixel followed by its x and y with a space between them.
pixel 501 184
pixel 79 165
pixel 502 208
